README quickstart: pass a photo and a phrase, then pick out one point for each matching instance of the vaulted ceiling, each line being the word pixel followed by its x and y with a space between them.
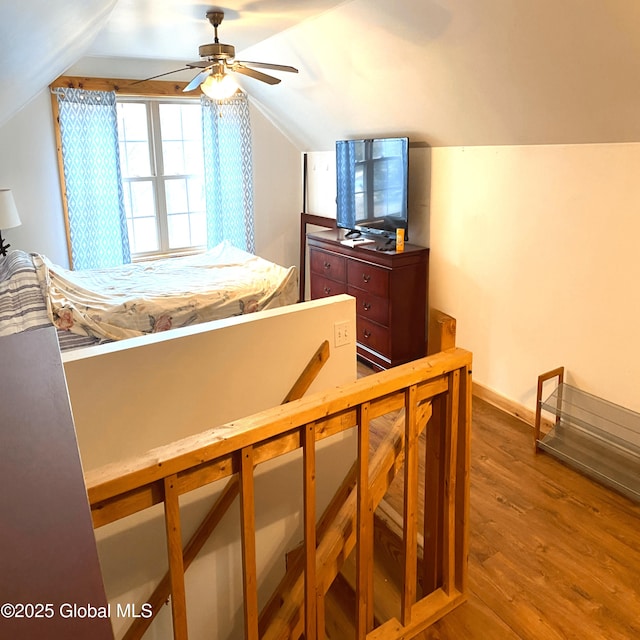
pixel 445 72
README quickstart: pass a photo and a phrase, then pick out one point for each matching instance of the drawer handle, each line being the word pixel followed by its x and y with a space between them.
pixel 366 277
pixel 367 334
pixel 327 290
pixel 327 265
pixel 366 305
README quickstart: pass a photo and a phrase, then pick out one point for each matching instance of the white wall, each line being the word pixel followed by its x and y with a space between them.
pixel 534 252
pixel 28 166
pixel 133 395
pixel 277 185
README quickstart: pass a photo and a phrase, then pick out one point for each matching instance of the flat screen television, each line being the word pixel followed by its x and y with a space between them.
pixel 372 185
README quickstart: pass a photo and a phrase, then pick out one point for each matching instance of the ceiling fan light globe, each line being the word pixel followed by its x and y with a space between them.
pixel 219 87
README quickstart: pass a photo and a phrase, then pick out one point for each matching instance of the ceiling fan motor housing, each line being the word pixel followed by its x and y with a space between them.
pixel 217 51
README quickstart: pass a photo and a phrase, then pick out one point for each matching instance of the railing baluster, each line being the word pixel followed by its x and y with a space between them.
pixel 364 563
pixel 174 550
pixel 434 495
pixel 248 534
pixel 312 624
pixel 410 525
pixel 450 463
pixel 463 463
pixel 320 611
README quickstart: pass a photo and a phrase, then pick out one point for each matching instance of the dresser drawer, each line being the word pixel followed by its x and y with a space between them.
pixel 369 278
pixel 328 264
pixel 323 287
pixel 370 307
pixel 372 335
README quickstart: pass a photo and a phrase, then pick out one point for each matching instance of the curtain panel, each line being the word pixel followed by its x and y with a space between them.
pixel 95 201
pixel 228 168
pixel 345 169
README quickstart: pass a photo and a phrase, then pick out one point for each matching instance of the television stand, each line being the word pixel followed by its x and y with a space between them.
pixel 390 288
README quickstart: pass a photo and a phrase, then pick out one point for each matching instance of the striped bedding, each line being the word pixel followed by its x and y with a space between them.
pixel 22 305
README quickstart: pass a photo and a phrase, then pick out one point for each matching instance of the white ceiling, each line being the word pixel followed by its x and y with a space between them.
pixel 445 72
pixel 173 29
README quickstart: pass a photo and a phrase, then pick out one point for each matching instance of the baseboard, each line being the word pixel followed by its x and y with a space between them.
pixel 504 404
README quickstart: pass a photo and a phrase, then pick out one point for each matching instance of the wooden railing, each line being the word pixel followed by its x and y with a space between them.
pixel 434 392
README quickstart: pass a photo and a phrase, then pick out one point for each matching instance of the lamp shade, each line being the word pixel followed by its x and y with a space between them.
pixel 219 86
pixel 9 217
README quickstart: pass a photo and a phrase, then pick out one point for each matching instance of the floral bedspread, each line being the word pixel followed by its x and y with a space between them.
pixel 147 297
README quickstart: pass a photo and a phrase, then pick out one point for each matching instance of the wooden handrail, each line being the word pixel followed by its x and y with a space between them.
pixel 309 374
pixel 236 448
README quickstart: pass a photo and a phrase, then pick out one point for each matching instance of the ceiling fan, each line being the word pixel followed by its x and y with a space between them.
pixel 218 62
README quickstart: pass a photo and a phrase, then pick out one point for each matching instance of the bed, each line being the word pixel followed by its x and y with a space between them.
pixel 95 306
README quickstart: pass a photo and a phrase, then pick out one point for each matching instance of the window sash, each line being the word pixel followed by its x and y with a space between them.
pixel 165 242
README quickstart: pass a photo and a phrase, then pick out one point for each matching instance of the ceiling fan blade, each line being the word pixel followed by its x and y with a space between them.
pixel 160 75
pixel 197 81
pixel 252 73
pixel 199 64
pixel 268 65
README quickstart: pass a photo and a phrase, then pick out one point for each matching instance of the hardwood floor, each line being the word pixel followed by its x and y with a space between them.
pixel 553 555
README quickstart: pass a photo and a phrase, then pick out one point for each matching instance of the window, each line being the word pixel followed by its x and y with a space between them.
pixel 162 175
pixel 150 172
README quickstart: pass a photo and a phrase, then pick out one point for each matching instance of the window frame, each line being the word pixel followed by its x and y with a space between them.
pixel 145 89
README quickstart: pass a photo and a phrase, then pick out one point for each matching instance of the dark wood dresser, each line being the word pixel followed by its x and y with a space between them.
pixel 390 288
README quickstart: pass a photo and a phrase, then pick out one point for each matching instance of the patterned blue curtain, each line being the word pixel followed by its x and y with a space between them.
pixel 228 171
pixel 95 201
pixel 346 179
